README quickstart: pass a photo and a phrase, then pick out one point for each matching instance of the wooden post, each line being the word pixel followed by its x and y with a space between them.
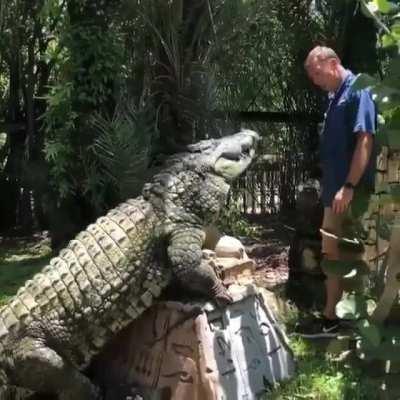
pixel 392 285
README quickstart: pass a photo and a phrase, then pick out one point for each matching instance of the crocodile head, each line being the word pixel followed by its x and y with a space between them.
pixel 227 157
pixel 194 185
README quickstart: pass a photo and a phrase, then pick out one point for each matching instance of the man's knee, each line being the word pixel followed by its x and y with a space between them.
pixel 331 230
pixel 335 268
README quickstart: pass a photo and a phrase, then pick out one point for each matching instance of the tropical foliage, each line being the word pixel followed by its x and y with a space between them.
pixel 92 91
pixel 81 80
pixel 386 91
pixel 375 339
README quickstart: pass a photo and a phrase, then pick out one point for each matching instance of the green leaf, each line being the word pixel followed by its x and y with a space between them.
pixel 394 191
pixel 384 6
pixel 395 28
pixel 369 332
pixel 388 40
pixel 362 81
pixel 393 139
pixel 383 188
pixel 381 137
pixel 392 78
pixel 388 348
pixel 385 95
pixel 383 198
pixel 393 120
pixel 352 306
pixel 52 150
pixel 371 6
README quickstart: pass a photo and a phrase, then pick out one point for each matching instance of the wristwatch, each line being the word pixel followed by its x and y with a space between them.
pixel 349 185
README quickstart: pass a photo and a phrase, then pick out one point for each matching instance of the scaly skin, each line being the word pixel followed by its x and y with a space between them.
pixel 111 272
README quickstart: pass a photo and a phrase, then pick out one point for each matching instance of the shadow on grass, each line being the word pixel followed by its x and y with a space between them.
pixel 319 377
pixel 19 261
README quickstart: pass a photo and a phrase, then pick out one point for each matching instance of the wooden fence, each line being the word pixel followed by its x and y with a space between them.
pixel 271 185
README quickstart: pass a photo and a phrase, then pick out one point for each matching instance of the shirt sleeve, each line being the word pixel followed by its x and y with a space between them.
pixel 365 113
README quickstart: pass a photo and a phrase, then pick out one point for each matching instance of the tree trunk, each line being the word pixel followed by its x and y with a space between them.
pixel 16 138
pixel 177 48
pixel 26 211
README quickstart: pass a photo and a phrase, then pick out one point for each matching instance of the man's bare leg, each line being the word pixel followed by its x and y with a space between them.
pixel 334 292
pixel 331 252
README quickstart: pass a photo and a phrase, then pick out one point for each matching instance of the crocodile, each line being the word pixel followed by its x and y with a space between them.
pixel 111 272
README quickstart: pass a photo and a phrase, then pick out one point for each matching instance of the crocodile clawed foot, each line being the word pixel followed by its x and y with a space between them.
pixel 220 295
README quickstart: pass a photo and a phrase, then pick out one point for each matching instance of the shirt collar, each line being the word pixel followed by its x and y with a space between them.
pixel 345 83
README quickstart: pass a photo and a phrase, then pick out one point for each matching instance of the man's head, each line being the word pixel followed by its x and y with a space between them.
pixel 324 68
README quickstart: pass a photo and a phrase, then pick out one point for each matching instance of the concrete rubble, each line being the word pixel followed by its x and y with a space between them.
pixel 198 351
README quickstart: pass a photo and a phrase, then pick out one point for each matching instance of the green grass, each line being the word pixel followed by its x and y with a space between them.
pixel 319 377
pixel 20 260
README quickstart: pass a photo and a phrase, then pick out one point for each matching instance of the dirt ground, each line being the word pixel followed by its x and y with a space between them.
pixel 270 251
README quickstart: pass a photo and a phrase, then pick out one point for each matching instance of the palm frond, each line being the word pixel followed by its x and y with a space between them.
pixel 119 156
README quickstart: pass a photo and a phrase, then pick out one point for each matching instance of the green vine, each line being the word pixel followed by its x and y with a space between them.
pixel 91 64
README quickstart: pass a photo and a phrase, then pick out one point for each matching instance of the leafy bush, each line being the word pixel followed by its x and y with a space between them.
pixel 232 222
pixel 386 93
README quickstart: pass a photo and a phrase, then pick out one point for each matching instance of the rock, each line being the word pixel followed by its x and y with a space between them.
pixel 233 269
pixel 208 254
pixel 200 351
pixel 280 307
pixel 228 246
pixel 213 235
pixel 310 260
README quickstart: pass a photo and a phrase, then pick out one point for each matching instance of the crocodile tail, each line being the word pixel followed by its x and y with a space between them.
pixel 3 380
pixel 14 393
pixel 6 393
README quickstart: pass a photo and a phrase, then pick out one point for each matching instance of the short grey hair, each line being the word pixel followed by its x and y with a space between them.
pixel 320 53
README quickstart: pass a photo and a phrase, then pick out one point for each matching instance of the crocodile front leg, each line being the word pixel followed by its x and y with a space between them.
pixel 37 367
pixel 193 272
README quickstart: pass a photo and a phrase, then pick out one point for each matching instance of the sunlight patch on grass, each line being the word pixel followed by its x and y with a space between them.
pixel 320 378
pixel 19 261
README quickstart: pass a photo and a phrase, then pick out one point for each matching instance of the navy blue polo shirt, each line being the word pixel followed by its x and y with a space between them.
pixel 349 113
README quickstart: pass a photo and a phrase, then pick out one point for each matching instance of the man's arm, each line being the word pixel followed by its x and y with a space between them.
pixel 359 162
pixel 361 156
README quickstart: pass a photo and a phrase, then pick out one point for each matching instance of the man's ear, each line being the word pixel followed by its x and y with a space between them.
pixel 335 62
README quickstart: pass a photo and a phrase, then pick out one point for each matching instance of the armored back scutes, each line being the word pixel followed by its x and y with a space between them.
pixel 110 273
pixel 107 260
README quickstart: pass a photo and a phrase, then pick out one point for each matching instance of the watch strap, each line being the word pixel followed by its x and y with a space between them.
pixel 349 185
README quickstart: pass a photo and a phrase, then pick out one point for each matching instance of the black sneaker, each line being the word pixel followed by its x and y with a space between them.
pixel 319 328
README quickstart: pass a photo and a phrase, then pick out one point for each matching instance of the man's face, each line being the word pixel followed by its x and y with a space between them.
pixel 322 72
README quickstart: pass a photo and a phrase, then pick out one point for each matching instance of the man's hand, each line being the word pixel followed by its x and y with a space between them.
pixel 342 200
pixel 359 162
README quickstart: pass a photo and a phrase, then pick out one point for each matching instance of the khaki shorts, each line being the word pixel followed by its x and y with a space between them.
pixel 342 238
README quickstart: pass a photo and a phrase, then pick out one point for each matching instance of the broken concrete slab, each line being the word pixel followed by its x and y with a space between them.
pixel 198 351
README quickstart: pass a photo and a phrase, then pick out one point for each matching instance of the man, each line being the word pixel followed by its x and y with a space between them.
pixel 347 170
